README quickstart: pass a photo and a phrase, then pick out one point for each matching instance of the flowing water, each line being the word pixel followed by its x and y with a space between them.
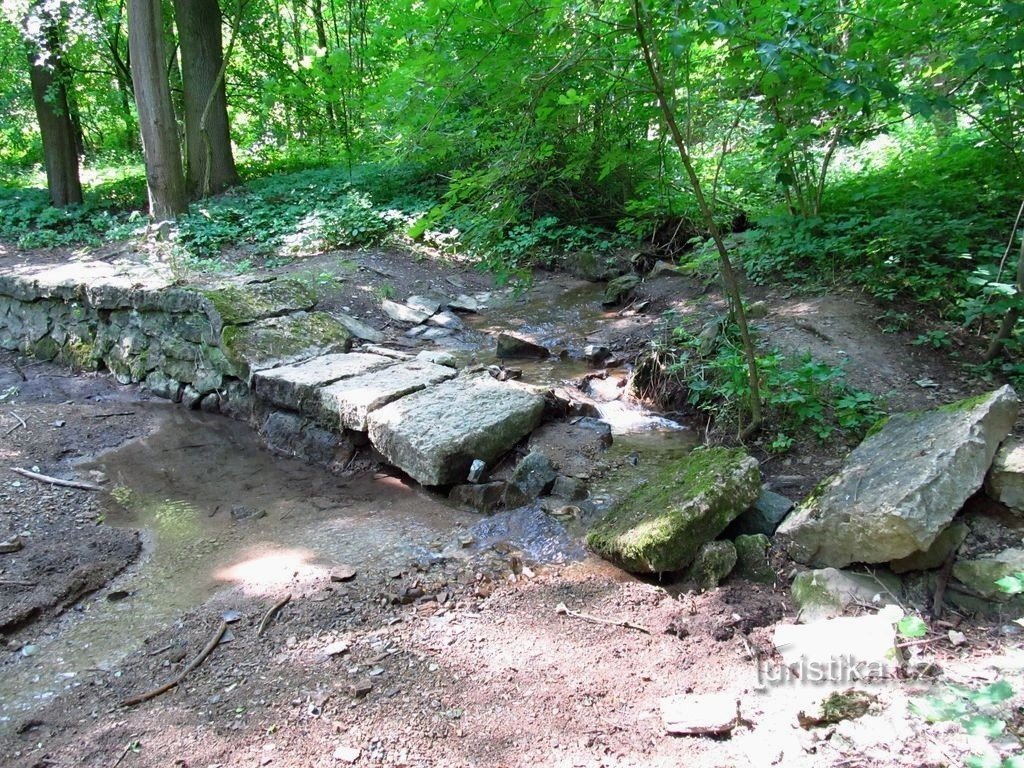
pixel 216 510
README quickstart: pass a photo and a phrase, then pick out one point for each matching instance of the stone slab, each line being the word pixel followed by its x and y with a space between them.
pixel 295 386
pixel 349 402
pixel 435 435
pixel 692 714
pixel 280 341
pixel 1005 481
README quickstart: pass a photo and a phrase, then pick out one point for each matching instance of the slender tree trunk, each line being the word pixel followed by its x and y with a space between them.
pixel 49 78
pixel 164 175
pixel 729 281
pixel 209 163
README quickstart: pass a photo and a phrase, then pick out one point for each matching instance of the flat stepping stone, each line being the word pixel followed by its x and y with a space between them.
pixel 295 386
pixel 348 402
pixel 435 434
pixel 241 304
pixel 281 341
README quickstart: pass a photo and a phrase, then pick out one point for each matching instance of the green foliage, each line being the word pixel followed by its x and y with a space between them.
pixel 912 626
pixel 800 394
pixel 980 712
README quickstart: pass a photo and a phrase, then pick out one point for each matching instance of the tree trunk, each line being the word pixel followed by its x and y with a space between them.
pixel 60 143
pixel 209 163
pixel 164 175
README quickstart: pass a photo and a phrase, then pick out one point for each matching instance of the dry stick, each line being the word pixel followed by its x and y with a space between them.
pixel 17 583
pixel 271 612
pixel 154 692
pixel 57 481
pixel 560 608
pixel 111 415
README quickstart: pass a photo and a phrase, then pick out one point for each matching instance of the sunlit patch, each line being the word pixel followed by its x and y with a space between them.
pixel 268 572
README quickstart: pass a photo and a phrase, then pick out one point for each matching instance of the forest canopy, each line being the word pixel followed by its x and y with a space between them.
pixel 879 140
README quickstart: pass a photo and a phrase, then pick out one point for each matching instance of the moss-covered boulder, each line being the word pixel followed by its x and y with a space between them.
pixel 659 526
pixel 752 560
pixel 282 340
pixel 982 573
pixel 826 593
pixel 242 304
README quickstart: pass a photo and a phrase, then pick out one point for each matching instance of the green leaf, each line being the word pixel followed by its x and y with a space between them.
pixel 940 708
pixel 993 694
pixel 983 725
pixel 983 761
pixel 1011 585
pixel 912 626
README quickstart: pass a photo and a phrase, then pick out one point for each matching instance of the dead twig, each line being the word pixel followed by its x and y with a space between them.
pixel 154 692
pixel 111 415
pixel 562 609
pixel 129 747
pixel 17 583
pixel 56 480
pixel 21 423
pixel 271 612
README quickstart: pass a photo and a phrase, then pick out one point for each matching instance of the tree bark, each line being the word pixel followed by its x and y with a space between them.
pixel 48 76
pixel 164 175
pixel 209 163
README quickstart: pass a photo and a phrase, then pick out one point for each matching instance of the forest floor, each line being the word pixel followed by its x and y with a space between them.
pixel 446 646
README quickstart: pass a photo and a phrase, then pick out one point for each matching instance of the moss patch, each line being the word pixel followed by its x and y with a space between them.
pixel 282 339
pixel 660 526
pixel 238 305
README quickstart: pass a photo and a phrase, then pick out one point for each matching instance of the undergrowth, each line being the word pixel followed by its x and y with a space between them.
pixel 801 396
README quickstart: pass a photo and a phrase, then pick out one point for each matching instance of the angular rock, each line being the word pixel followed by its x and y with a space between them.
pixel 713 562
pixel 426 304
pixel 573 446
pixel 281 341
pixel 692 714
pixel 295 386
pixel 359 329
pixel 827 593
pixel 1005 481
pixel 902 486
pixel 935 556
pixel 865 642
pixel 981 574
pixel 533 475
pixel 438 357
pixel 620 289
pixel 446 319
pixel 763 517
pixel 349 402
pixel 752 561
pixel 435 435
pixel 464 303
pixel 510 346
pixel 570 488
pixel 402 313
pixel 483 497
pixel 659 526
pixel 290 434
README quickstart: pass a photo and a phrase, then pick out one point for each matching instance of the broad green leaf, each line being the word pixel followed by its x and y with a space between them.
pixel 912 626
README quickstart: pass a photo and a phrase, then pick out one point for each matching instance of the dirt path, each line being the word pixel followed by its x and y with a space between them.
pixel 445 648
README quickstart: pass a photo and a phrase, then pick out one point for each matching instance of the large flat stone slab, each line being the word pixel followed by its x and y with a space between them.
pixel 247 303
pixel 348 403
pixel 434 435
pixel 295 386
pixel 902 486
pixel 282 341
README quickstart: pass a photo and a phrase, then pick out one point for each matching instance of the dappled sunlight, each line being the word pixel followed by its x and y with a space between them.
pixel 266 573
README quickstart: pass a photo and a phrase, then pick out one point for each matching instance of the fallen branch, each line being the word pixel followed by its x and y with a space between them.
pixel 271 612
pixel 111 415
pixel 562 609
pixel 56 480
pixel 17 583
pixel 154 692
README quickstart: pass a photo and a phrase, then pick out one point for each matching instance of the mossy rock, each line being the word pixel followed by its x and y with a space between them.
pixel 239 305
pixel 752 558
pixel 659 526
pixel 282 340
pixel 714 561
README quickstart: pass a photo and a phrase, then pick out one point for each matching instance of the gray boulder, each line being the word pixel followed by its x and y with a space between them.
pixel 1005 481
pixel 901 487
pixel 511 345
pixel 752 561
pixel 826 593
pixel 533 475
pixel 660 525
pixel 981 574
